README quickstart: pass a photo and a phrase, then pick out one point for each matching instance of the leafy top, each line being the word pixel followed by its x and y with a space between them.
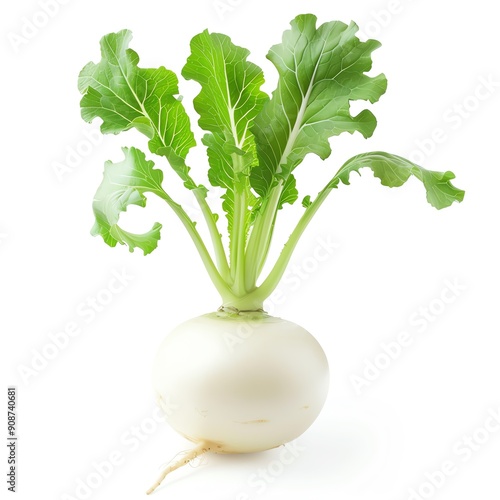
pixel 321 70
pixel 253 142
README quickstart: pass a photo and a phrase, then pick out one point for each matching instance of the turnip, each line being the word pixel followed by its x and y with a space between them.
pixel 242 381
pixel 251 384
pixel 272 382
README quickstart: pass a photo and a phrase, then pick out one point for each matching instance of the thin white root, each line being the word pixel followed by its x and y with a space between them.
pixel 198 450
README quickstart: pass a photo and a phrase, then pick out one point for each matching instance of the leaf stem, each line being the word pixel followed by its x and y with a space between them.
pixel 220 253
pixel 261 236
pixel 218 281
pixel 239 236
pixel 274 277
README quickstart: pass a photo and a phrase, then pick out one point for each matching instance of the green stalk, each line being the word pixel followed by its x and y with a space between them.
pixel 219 283
pixel 250 302
pixel 264 233
pixel 238 230
pixel 220 253
pixel 238 238
pixel 272 280
pixel 261 236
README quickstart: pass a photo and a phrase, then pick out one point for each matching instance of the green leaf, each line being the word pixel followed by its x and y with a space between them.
pixel 320 72
pixel 394 171
pixel 125 96
pixel 230 96
pixel 290 193
pixel 124 184
pixel 221 174
pixel 253 143
pixel 306 201
pixel 229 100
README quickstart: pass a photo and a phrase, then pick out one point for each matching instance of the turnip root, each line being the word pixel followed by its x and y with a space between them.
pixel 241 383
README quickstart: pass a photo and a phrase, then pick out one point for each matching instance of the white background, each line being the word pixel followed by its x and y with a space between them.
pixel 394 256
